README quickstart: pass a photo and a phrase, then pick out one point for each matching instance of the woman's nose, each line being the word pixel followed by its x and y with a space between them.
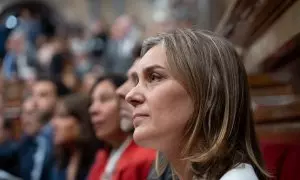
pixel 134 97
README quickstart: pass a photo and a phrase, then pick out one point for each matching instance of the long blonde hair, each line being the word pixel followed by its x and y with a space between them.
pixel 220 134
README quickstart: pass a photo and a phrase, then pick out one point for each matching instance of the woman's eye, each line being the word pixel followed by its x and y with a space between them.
pixel 154 77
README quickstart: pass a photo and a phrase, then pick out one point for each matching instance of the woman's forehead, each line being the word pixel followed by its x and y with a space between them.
pixel 105 86
pixel 154 56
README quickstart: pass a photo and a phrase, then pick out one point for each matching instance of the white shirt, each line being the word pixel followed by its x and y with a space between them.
pixel 241 172
pixel 38 158
pixel 115 155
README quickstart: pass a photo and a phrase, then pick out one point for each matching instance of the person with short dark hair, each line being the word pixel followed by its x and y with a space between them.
pixel 37 155
pixel 35 147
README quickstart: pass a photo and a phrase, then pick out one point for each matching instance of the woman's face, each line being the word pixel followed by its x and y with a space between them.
pixel 162 106
pixel 66 127
pixel 105 111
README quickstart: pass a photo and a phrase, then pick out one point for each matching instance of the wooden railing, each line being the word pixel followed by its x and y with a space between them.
pixel 276 109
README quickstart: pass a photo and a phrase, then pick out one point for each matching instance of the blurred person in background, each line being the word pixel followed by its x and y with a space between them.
pixel 82 62
pixel 30 24
pixel 9 161
pixel 121 159
pixel 37 153
pixel 81 53
pixel 124 35
pixel 35 163
pixel 74 139
pixel 98 41
pixel 20 59
pixel 60 60
pixel 46 91
pixel 49 46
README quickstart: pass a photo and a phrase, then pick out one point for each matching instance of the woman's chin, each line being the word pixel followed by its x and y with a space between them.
pixel 142 138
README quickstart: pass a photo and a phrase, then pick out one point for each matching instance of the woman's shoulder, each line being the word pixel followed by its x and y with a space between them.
pixel 242 171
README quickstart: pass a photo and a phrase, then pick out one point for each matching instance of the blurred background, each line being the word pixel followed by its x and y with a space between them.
pixel 79 40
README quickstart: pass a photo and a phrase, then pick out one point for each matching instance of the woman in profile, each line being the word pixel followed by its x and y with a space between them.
pixel 191 103
pixel 121 159
pixel 74 139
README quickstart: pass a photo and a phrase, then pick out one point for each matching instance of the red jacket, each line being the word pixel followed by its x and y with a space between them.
pixel 134 164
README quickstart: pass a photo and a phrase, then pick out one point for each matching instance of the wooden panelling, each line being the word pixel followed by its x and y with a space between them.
pixel 284 111
pixel 279 133
pixel 272 90
pixel 264 80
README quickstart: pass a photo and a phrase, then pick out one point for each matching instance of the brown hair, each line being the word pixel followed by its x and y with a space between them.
pixel 220 134
pixel 76 106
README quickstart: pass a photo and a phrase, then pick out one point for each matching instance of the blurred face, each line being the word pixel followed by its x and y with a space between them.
pixel 66 128
pixel 29 118
pixel 105 111
pixel 162 106
pixel 120 27
pixel 44 94
pixel 126 108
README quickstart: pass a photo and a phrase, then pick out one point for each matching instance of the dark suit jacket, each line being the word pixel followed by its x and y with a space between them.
pixel 167 175
pixel 9 161
pixel 28 150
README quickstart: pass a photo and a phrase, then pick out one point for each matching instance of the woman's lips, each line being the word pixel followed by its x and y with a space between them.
pixel 138 118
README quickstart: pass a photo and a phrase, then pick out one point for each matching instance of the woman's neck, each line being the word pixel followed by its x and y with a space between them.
pixel 179 165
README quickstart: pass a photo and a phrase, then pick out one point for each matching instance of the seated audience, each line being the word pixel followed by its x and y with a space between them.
pixel 35 163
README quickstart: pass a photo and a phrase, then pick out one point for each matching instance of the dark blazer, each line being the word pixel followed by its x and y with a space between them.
pixel 167 174
pixel 29 147
pixel 9 161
